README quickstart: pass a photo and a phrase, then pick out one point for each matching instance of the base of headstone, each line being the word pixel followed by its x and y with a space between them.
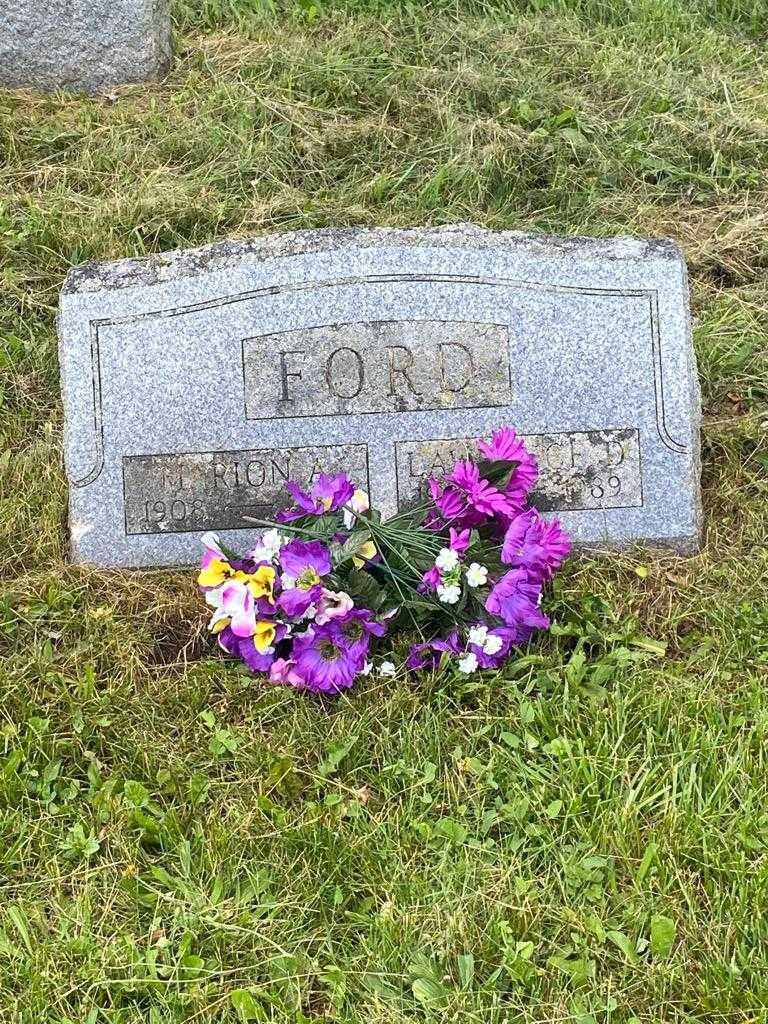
pixel 83 45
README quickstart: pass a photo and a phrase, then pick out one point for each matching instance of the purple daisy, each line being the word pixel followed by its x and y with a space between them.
pixel 515 600
pixel 354 632
pixel 506 446
pixel 534 543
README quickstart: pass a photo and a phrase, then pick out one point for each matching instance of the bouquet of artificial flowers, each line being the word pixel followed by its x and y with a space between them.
pixel 464 569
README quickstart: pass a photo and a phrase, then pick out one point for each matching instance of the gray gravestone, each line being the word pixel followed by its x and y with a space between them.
pixel 83 45
pixel 196 383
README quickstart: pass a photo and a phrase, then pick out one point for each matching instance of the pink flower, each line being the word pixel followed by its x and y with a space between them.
pixel 234 601
pixel 481 495
pixel 332 605
pixel 283 672
pixel 467 499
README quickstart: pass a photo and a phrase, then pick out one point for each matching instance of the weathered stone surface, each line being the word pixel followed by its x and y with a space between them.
pixel 83 45
pixel 195 382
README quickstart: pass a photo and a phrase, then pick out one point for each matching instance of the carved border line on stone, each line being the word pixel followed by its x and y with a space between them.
pixel 650 294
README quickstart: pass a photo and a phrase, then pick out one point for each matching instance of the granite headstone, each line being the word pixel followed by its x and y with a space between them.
pixel 196 383
pixel 83 45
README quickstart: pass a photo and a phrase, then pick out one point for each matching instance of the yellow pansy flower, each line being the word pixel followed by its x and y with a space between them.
pixel 365 554
pixel 264 635
pixel 217 571
pixel 261 583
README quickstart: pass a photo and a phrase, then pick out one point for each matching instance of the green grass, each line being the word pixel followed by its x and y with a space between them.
pixel 583 838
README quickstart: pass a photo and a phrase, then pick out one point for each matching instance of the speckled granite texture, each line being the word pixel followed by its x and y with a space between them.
pixel 83 45
pixel 195 382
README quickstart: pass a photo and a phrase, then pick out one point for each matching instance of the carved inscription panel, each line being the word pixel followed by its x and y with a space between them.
pixel 578 470
pixel 181 492
pixel 380 366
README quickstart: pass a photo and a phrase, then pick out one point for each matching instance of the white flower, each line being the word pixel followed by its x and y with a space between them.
pixel 366 669
pixel 268 546
pixel 359 502
pixel 477 575
pixel 449 594
pixel 211 541
pixel 468 663
pixel 387 668
pixel 493 645
pixel 447 559
pixel 477 635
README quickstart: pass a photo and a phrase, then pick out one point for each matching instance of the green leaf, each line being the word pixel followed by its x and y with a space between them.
pixel 450 830
pixel 430 992
pixel 192 965
pixel 335 754
pixel 135 793
pixel 646 863
pixel 245 1004
pixel 579 969
pixel 554 808
pixel 626 946
pixel 663 932
pixel 466 964
pixel 363 589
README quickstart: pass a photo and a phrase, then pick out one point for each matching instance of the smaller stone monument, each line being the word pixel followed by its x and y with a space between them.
pixel 83 45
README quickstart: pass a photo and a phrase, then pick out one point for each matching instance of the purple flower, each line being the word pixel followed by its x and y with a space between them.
pixel 506 446
pixel 295 601
pixel 515 600
pixel 534 543
pixel 245 648
pixel 430 581
pixel 459 540
pixel 327 494
pixel 429 654
pixel 305 561
pixel 450 504
pixel 323 662
pixel 355 630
